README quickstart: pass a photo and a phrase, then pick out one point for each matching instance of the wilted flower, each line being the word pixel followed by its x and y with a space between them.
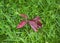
pixel 34 23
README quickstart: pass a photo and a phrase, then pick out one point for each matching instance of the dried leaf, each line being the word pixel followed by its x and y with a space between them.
pixel 21 24
pixel 33 25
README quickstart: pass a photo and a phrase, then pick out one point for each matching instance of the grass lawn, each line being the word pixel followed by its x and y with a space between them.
pixel 47 10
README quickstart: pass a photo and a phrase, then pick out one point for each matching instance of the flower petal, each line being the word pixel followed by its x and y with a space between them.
pixel 39 24
pixel 23 15
pixel 37 18
pixel 21 24
pixel 33 25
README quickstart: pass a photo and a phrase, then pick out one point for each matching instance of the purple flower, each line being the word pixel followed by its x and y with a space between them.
pixel 34 23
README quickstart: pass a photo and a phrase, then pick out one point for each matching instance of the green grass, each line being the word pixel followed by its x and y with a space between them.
pixel 49 12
